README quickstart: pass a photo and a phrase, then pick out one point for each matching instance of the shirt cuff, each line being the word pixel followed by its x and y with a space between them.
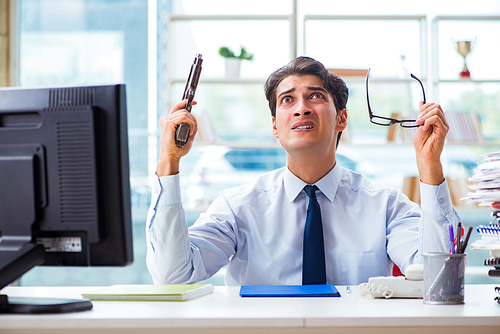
pixel 435 199
pixel 167 190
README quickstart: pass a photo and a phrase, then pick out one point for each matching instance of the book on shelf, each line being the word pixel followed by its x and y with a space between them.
pixel 150 292
pixel 465 127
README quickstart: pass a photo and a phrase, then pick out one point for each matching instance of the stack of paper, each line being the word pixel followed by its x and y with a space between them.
pixel 486 191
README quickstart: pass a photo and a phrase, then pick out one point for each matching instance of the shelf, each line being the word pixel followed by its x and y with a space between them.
pixel 263 80
pixel 345 78
pixel 467 81
pixel 182 17
pixel 223 80
pixel 365 17
pixel 382 79
pixel 466 18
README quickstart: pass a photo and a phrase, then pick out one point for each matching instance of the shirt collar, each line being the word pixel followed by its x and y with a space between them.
pixel 327 185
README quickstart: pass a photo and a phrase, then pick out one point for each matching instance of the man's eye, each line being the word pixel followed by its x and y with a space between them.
pixel 318 96
pixel 286 99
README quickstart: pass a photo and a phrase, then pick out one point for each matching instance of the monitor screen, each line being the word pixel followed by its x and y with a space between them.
pixel 64 179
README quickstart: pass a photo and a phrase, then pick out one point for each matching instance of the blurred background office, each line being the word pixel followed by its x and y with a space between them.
pixel 150 46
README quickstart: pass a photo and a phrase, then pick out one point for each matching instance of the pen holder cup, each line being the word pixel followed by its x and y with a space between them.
pixel 444 278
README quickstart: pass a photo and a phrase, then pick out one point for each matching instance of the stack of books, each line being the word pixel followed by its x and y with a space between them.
pixel 486 192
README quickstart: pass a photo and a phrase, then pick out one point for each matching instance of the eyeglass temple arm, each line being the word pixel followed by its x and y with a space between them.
pixel 370 109
pixel 421 85
pixel 367 95
pixel 388 118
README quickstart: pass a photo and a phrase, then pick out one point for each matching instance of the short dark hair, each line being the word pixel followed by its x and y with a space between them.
pixel 304 66
pixel 307 66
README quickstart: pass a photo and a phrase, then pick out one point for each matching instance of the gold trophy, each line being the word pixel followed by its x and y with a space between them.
pixel 464 48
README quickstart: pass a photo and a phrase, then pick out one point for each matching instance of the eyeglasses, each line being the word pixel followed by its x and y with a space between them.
pixel 387 121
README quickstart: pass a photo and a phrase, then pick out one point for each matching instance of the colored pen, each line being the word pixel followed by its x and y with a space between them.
pixel 459 236
pixel 464 246
pixel 452 239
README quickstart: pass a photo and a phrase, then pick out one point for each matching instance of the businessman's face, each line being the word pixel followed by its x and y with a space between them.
pixel 306 117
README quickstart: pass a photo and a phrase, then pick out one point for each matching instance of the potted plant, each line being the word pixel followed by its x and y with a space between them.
pixel 232 61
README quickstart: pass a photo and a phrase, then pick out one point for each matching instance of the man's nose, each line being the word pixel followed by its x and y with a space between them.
pixel 303 108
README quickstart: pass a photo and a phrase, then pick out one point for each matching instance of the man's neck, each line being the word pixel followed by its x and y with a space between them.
pixel 310 169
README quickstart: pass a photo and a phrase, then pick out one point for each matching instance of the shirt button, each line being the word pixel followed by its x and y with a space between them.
pixel 441 200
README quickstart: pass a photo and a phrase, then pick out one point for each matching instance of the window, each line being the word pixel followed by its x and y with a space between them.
pixel 82 42
pixel 89 42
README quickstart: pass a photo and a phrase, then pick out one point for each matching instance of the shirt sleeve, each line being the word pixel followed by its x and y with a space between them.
pixel 173 255
pixel 437 213
pixel 420 230
pixel 166 232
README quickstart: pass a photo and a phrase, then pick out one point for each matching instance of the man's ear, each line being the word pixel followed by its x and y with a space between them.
pixel 341 123
pixel 275 129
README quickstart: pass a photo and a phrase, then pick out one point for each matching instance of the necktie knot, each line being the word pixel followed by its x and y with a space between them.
pixel 311 191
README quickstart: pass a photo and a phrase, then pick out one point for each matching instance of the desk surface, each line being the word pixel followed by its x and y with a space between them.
pixel 225 311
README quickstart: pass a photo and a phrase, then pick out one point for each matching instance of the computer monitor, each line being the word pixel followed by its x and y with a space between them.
pixel 64 179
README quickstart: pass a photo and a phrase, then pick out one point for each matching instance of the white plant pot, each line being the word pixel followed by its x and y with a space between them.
pixel 233 66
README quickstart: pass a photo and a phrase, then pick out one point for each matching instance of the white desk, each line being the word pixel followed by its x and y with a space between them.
pixel 224 311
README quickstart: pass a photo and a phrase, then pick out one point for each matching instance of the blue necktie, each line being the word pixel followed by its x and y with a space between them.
pixel 313 261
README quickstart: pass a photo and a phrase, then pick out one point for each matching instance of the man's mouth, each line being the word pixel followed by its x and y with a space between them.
pixel 303 126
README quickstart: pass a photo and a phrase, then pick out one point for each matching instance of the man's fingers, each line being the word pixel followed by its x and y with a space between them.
pixel 180 105
pixel 429 110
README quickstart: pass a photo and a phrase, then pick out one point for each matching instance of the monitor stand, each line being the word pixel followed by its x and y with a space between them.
pixel 14 262
pixel 37 305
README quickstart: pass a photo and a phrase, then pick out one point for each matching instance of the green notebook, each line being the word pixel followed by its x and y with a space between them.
pixel 150 292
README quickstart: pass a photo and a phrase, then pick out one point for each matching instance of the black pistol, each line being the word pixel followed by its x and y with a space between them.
pixel 182 132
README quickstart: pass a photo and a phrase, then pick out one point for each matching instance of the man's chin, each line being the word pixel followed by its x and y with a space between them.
pixel 298 145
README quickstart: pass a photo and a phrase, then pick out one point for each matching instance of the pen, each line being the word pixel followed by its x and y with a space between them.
pixel 452 239
pixel 459 235
pixel 464 245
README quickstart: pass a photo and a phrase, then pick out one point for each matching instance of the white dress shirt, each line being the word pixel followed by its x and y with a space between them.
pixel 257 230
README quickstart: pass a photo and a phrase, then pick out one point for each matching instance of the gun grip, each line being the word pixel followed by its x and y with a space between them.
pixel 182 134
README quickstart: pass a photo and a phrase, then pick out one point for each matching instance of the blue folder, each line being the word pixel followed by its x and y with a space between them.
pixel 320 290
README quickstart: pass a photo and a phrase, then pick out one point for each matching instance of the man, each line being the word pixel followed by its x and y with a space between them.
pixel 258 229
